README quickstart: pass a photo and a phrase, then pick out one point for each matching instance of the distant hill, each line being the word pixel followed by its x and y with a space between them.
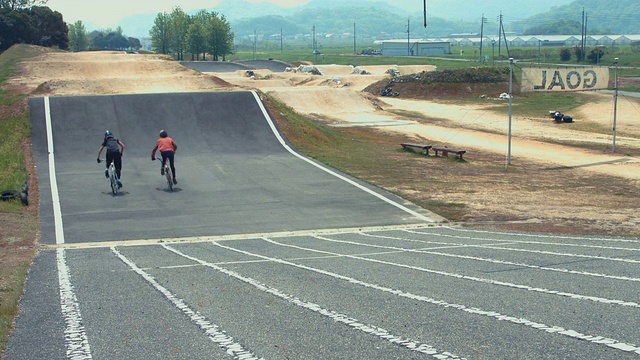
pixel 618 16
pixel 389 19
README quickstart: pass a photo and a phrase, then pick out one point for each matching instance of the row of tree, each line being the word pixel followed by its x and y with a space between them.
pixel 200 34
pixel 80 40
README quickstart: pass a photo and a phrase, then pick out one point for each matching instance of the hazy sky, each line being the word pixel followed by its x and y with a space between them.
pixel 108 13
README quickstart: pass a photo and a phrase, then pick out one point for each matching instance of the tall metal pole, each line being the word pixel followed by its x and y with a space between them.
pixel 408 37
pixel 425 13
pixel 354 39
pixel 615 106
pixel 510 107
pixel 481 33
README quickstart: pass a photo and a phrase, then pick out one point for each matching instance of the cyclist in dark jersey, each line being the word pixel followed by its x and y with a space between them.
pixel 115 150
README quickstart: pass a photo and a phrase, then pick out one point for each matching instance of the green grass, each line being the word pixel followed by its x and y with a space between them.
pixel 15 128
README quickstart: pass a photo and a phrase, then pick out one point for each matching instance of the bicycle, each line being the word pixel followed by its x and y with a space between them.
pixel 167 173
pixel 113 179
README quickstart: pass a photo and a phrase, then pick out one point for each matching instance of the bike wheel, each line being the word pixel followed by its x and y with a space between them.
pixel 114 181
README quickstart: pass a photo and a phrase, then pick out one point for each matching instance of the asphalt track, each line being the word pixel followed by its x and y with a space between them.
pixel 264 253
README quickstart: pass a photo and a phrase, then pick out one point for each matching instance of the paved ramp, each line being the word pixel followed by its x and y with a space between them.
pixel 236 173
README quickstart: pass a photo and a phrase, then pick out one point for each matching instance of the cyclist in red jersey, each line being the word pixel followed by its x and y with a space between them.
pixel 167 148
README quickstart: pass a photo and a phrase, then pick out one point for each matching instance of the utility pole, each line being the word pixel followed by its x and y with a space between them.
pixel 281 48
pixel 582 38
pixel 354 39
pixel 408 37
pixel 255 39
pixel 499 33
pixel 484 20
pixel 504 35
pixel 313 44
pixel 425 13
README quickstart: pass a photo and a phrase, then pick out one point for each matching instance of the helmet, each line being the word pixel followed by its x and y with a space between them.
pixel 107 134
pixel 163 133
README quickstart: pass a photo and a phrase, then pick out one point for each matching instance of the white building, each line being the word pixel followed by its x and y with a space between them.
pixel 413 47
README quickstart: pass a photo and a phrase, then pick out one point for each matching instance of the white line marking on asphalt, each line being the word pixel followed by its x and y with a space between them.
pixel 213 331
pixel 337 317
pixel 329 171
pixel 471 310
pixel 231 237
pixel 55 198
pixel 547 243
pixel 75 336
pixel 535 251
pixel 460 276
pixel 546 268
pixel 542 236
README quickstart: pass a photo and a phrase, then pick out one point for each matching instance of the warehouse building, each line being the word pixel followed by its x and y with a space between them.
pixel 413 47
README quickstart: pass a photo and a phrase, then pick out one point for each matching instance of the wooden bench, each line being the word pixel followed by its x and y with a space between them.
pixel 445 151
pixel 425 148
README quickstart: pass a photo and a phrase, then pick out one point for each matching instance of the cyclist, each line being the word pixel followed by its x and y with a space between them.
pixel 115 150
pixel 167 148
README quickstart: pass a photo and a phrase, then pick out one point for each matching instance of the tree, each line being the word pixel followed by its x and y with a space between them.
pixel 197 35
pixel 20 4
pixel 220 37
pixel 179 26
pixel 50 28
pixel 160 33
pixel 113 40
pixel 202 33
pixel 595 55
pixel 565 54
pixel 78 38
pixel 15 28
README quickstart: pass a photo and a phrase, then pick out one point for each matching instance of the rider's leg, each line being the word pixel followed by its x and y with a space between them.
pixel 108 160
pixel 171 157
pixel 117 161
pixel 164 160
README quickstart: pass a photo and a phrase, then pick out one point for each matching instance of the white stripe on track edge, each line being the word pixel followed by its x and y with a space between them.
pixel 331 172
pixel 212 331
pixel 616 344
pixel 55 198
pixel 75 336
pixel 337 317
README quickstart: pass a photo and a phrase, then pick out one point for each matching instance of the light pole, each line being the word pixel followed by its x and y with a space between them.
pixel 510 108
pixel 615 106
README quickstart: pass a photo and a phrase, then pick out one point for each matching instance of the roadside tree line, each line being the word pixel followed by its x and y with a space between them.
pixel 204 33
pixel 108 39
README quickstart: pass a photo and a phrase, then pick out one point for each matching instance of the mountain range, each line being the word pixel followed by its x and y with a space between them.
pixel 394 17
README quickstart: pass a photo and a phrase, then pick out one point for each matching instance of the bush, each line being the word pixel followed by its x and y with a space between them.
pixel 565 54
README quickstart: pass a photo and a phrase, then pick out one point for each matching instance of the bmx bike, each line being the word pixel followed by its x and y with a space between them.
pixel 113 178
pixel 167 173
